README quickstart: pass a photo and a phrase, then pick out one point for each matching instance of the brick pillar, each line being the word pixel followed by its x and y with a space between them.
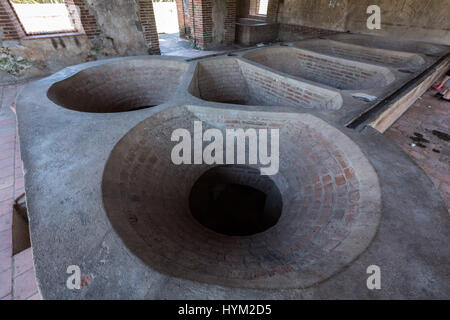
pixel 183 17
pixel 200 12
pixel 230 22
pixel 87 20
pixel 9 23
pixel 147 16
pixel 272 10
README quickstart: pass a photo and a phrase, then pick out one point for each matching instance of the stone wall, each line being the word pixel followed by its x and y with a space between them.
pixel 105 28
pixel 406 19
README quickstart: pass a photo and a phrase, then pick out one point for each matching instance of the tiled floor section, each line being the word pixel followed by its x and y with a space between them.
pixel 413 132
pixel 17 277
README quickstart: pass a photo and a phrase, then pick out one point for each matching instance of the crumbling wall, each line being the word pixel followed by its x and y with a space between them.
pixel 112 28
pixel 121 29
pixel 407 19
pixel 30 58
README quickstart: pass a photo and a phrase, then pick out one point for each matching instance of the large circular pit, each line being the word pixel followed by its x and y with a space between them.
pixel 120 86
pixel 312 218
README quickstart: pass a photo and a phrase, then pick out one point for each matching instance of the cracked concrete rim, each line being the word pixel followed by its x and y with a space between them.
pixel 331 199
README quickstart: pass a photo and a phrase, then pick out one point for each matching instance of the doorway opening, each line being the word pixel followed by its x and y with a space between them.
pixel 166 16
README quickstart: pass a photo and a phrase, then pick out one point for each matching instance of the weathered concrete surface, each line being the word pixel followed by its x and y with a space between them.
pixel 405 19
pixel 69 223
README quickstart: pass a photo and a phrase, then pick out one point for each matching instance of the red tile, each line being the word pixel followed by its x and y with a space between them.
pixel 24 286
pixel 5 222
pixel 19 183
pixel 5 240
pixel 7 122
pixel 5 283
pixel 6 193
pixel 5 259
pixel 6 207
pixel 6 172
pixel 6 163
pixel 5 154
pixel 7 182
pixel 8 139
pixel 7 147
pixel 23 262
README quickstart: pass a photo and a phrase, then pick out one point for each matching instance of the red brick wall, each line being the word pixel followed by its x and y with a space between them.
pixel 183 22
pixel 147 16
pixel 200 12
pixel 88 21
pixel 9 24
pixel 200 24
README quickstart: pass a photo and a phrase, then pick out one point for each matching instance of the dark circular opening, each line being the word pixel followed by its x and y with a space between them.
pixel 235 201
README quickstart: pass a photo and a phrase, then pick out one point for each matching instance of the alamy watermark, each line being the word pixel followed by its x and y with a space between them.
pixel 374 280
pixel 374 20
pixel 230 149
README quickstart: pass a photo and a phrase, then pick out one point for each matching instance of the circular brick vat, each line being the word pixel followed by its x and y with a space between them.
pixel 120 86
pixel 330 202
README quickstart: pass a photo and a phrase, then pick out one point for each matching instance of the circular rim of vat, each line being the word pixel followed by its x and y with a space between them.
pixel 53 97
pixel 360 237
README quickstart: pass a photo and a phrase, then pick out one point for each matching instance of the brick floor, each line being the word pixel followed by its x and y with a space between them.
pixel 413 132
pixel 17 277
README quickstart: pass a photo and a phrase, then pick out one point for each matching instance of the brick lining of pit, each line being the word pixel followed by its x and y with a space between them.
pixel 396 59
pixel 388 43
pixel 119 86
pixel 330 194
pixel 333 72
pixel 229 80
